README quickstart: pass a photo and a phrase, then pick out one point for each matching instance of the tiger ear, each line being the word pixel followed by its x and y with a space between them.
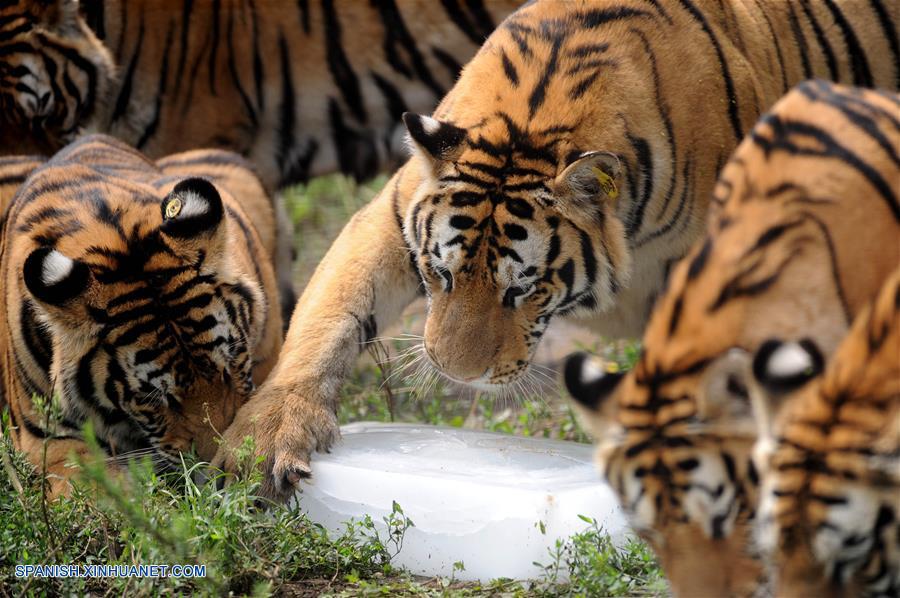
pixel 590 176
pixel 437 140
pixel 779 369
pixel 724 397
pixel 192 210
pixel 53 278
pixel 591 383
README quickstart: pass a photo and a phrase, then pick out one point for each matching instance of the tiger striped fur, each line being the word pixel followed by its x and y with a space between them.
pixel 829 458
pixel 54 75
pixel 300 88
pixel 140 296
pixel 563 174
pixel 802 233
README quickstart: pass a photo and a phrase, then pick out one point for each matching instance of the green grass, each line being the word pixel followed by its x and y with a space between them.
pixel 168 519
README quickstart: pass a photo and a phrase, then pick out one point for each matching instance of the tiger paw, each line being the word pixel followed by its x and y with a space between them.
pixel 285 430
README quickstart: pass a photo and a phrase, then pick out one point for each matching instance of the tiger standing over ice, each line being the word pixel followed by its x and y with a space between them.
pixel 565 172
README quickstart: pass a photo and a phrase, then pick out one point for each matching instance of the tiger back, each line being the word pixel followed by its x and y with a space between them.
pixel 829 458
pixel 802 233
pixel 140 296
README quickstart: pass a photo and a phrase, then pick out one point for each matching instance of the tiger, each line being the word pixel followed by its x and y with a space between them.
pixel 828 456
pixel 563 175
pixel 299 88
pixel 55 75
pixel 802 231
pixel 139 297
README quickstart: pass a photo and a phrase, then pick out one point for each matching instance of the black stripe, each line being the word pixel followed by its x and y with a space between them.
pixel 538 95
pixel 887 27
pixel 286 112
pixel 730 93
pixel 235 78
pixel 822 40
pixel 644 158
pixel 186 9
pixel 303 6
pixel 338 65
pixel 161 90
pixel 459 18
pixel 392 97
pixel 258 75
pixel 396 36
pixel 216 9
pixel 509 69
pixel 801 41
pixel 862 76
pixel 128 81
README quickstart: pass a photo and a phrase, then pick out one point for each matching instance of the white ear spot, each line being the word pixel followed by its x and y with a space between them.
pixel 789 360
pixel 193 205
pixel 55 268
pixel 430 125
pixel 591 371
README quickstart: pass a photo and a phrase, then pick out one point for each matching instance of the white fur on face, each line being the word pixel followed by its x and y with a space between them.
pixel 788 360
pixel 56 268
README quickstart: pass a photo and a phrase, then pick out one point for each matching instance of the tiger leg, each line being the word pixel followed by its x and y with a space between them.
pixel 54 459
pixel 361 286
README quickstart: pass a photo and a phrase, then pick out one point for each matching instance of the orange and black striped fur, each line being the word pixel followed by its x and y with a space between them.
pixel 300 88
pixel 54 75
pixel 567 169
pixel 140 295
pixel 829 458
pixel 803 232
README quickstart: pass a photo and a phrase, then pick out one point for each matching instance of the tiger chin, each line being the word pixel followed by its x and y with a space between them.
pixel 140 296
pixel 801 236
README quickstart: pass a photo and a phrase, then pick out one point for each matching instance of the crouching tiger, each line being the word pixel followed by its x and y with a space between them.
pixel 802 234
pixel 140 295
pixel 828 456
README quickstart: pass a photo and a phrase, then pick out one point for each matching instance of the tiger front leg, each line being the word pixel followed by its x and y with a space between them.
pixel 360 287
pixel 55 460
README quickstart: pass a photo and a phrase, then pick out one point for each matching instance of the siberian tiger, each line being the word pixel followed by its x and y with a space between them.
pixel 567 169
pixel 803 231
pixel 140 295
pixel 300 88
pixel 829 458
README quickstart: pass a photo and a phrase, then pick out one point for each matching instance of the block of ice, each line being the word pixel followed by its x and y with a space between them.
pixel 475 497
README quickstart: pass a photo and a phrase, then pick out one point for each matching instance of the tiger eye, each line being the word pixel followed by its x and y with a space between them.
pixel 173 208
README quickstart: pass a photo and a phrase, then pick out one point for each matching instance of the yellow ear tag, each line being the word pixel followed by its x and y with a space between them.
pixel 611 367
pixel 606 182
pixel 173 208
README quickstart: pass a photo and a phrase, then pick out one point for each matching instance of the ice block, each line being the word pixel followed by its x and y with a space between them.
pixel 476 497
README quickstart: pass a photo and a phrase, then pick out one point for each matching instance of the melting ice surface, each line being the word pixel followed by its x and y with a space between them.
pixel 475 497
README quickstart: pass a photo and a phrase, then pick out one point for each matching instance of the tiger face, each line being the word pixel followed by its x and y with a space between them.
pixel 829 512
pixel 54 73
pixel 139 310
pixel 505 238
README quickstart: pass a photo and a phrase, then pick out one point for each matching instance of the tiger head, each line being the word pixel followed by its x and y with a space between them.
pixel 53 74
pixel 828 456
pixel 504 237
pixel 139 310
